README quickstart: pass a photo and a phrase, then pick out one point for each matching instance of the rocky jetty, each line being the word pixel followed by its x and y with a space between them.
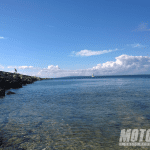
pixel 15 80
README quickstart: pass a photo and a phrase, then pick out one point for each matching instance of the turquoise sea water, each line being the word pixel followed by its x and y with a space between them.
pixel 74 114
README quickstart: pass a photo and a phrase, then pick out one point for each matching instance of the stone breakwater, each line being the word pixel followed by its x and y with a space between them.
pixel 14 80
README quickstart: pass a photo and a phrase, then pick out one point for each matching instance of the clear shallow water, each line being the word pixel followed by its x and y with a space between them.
pixel 74 113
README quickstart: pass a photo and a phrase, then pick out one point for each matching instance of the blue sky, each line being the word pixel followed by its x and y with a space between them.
pixel 50 38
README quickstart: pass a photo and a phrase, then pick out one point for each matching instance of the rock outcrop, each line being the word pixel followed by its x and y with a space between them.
pixel 14 80
pixel 2 92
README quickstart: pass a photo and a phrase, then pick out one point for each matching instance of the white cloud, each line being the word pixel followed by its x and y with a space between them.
pixel 124 64
pixel 2 67
pixel 25 67
pixel 142 27
pixel 137 45
pixel 1 37
pixel 11 67
pixel 21 67
pixel 53 67
pixel 91 53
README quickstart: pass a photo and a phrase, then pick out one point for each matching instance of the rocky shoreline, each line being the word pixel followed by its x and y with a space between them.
pixel 10 80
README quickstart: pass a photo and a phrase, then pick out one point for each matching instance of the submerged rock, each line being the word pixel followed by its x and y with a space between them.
pixel 9 92
pixel 2 92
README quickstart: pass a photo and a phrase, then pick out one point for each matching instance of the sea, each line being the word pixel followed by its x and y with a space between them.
pixel 75 113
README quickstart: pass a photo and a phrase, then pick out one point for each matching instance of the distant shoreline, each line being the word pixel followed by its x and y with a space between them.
pixel 106 76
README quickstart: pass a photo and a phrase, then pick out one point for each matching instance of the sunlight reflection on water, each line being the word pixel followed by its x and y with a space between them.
pixel 81 114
